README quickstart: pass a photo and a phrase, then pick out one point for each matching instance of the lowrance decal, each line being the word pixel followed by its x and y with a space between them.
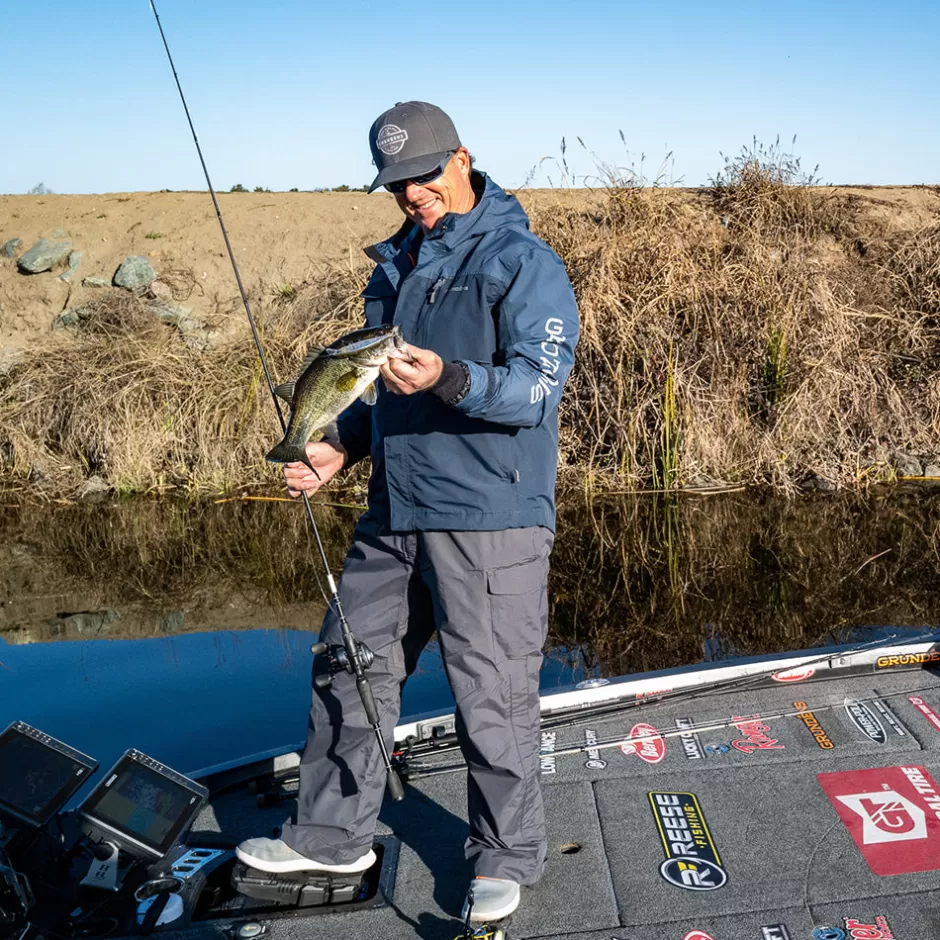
pixel 547 759
pixel 692 860
pixel 652 746
pixel 892 814
pixel 690 741
pixel 775 932
pixel 814 727
pixel 853 929
pixel 925 710
pixel 866 721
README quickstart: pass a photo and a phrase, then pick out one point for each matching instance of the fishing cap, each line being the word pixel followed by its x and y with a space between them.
pixel 409 140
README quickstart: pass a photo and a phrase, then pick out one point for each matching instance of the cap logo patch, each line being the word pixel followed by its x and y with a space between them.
pixel 390 139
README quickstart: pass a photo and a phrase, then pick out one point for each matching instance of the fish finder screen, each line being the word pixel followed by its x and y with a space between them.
pixel 143 804
pixel 36 779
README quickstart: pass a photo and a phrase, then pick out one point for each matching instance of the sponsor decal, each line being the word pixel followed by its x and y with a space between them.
pixel 652 749
pixel 653 693
pixel 856 930
pixel 690 741
pixel 799 674
pixel 866 721
pixel 594 761
pixel 907 659
pixel 698 935
pixel 775 932
pixel 692 860
pixel 547 757
pixel 888 717
pixel 814 727
pixel 925 710
pixel 887 806
pixel 390 139
pixel 755 734
pixel 549 360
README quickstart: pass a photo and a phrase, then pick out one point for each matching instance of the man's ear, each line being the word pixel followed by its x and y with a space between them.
pixel 462 157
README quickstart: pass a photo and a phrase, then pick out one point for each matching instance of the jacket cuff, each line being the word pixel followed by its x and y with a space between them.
pixel 453 384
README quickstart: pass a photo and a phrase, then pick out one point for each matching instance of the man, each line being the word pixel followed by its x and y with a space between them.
pixel 460 524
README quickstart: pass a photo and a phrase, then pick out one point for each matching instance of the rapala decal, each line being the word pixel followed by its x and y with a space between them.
pixel 698 935
pixel 652 749
pixel 594 761
pixel 755 735
pixel 856 930
pixel 775 932
pixel 692 860
pixel 814 727
pixel 925 710
pixel 866 721
pixel 907 659
pixel 892 814
pixel 547 759
pixel 799 674
pixel 690 741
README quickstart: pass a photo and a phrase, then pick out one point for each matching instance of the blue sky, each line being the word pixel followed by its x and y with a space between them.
pixel 283 92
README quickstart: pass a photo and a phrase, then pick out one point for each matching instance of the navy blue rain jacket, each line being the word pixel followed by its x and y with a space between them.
pixel 480 288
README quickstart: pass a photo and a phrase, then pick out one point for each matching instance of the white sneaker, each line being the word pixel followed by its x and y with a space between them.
pixel 493 899
pixel 275 855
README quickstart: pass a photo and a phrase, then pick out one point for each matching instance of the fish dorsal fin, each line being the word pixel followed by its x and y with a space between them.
pixel 286 391
pixel 347 381
pixel 371 394
pixel 312 352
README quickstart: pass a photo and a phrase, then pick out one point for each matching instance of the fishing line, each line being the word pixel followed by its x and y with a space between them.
pixel 352 646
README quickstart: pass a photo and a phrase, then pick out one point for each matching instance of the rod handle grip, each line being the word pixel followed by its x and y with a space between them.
pixel 395 789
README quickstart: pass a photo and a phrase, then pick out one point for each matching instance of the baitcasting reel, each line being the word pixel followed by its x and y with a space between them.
pixel 333 659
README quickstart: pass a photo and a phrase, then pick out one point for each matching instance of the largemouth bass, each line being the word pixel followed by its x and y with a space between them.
pixel 331 379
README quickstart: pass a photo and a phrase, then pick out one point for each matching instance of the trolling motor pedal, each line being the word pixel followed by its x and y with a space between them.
pixel 332 659
pixel 299 888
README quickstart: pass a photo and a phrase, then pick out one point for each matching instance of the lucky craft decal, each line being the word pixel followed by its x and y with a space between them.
pixel 815 728
pixel 925 710
pixel 594 761
pixel 856 930
pixel 754 737
pixel 892 814
pixel 692 860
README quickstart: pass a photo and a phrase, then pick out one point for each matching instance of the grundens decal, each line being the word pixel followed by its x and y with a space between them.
pixel 547 380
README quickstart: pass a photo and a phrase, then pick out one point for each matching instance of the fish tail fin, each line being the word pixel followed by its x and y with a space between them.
pixel 289 453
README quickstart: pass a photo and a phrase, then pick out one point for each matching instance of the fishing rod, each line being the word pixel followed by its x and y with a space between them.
pixel 352 656
pixel 430 769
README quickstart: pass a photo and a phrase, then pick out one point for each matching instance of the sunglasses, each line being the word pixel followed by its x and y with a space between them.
pixel 399 186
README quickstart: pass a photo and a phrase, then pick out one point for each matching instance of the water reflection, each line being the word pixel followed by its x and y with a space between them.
pixel 185 626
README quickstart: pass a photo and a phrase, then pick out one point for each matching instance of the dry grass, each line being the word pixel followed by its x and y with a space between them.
pixel 760 331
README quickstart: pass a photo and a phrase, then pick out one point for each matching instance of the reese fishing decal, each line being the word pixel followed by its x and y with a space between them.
pixel 594 761
pixel 799 674
pixel 690 741
pixel 814 727
pixel 547 757
pixel 856 930
pixel 908 659
pixel 892 814
pixel 925 710
pixel 652 749
pixel 775 932
pixel 692 860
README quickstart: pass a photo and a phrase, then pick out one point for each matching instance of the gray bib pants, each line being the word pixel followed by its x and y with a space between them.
pixel 486 595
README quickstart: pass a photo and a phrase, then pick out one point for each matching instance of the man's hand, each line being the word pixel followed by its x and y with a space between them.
pixel 326 456
pixel 405 378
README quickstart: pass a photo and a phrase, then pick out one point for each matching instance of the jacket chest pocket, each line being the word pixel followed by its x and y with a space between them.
pixel 456 320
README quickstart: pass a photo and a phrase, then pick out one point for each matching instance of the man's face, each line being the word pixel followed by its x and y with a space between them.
pixel 451 192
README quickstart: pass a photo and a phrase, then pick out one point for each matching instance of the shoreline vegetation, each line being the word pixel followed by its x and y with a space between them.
pixel 764 331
